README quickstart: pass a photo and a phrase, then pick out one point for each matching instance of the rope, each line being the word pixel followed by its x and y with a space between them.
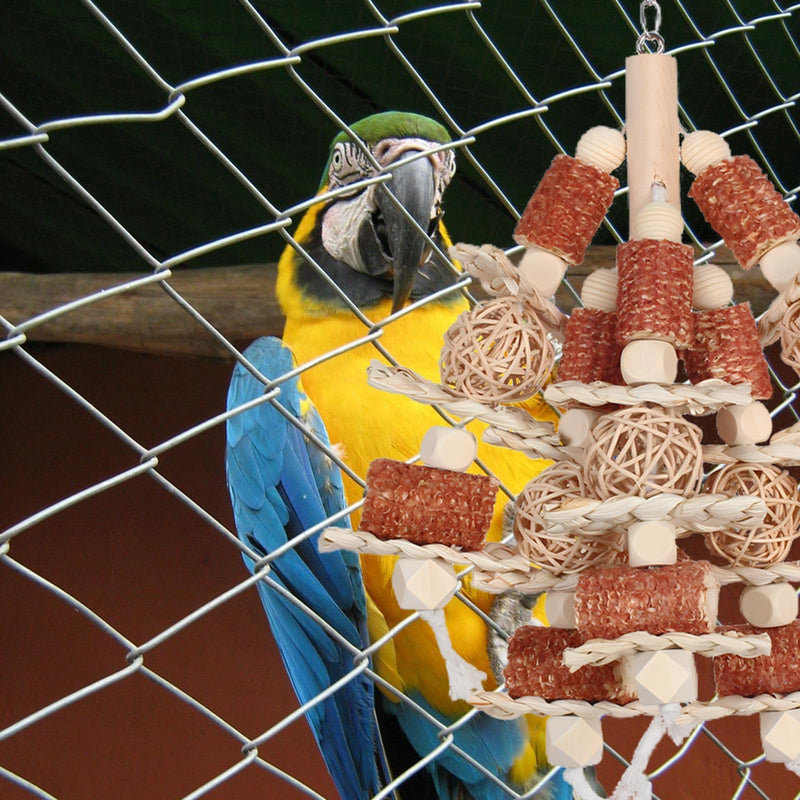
pixel 603 651
pixel 462 677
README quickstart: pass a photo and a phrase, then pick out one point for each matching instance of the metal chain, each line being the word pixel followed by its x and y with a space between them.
pixel 648 35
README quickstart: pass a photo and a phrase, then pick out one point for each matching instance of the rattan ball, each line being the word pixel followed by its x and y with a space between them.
pixel 498 353
pixel 559 553
pixel 643 451
pixel 768 543
pixel 790 336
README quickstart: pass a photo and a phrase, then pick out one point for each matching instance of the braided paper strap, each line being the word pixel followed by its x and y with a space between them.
pixel 782 454
pixel 700 398
pixel 500 278
pixel 530 581
pixel 604 651
pixel 494 557
pixel 788 571
pixel 790 435
pixel 400 380
pixel 705 512
pixel 501 706
pixel 532 446
pixel 769 325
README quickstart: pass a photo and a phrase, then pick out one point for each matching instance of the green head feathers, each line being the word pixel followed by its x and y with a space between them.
pixel 391 124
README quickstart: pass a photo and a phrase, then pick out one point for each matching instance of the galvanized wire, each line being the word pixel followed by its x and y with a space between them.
pixel 583 54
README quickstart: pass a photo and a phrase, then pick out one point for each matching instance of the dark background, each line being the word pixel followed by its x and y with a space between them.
pixel 172 194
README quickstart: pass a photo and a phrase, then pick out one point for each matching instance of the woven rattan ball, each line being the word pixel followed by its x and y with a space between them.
pixel 643 451
pixel 498 353
pixel 790 336
pixel 559 553
pixel 768 543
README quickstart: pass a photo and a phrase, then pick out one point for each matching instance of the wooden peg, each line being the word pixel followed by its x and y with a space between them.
pixel 748 424
pixel 599 290
pixel 769 606
pixel 574 741
pixel 701 149
pixel 713 287
pixel 575 424
pixel 423 585
pixel 448 448
pixel 649 361
pixel 542 269
pixel 602 147
pixel 559 608
pixel 652 129
pixel 665 676
pixel 651 543
pixel 780 735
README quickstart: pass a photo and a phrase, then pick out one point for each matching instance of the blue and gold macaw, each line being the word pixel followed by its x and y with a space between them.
pixel 361 241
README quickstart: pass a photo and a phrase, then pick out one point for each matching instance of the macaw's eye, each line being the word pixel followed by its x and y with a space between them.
pixel 348 164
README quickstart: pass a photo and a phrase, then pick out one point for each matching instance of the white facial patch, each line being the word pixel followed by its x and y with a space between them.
pixel 340 225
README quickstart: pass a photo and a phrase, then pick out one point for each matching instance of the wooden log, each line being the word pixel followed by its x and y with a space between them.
pixel 239 301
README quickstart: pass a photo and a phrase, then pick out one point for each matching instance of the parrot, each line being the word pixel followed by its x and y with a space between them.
pixel 358 255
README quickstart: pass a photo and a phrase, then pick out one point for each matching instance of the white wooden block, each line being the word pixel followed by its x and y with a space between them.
pixel 701 149
pixel 651 543
pixel 713 287
pixel 602 147
pixel 748 424
pixel 599 290
pixel 769 606
pixel 575 424
pixel 448 448
pixel 780 264
pixel 542 269
pixel 657 220
pixel 664 676
pixel 574 741
pixel 559 608
pixel 780 735
pixel 649 361
pixel 423 584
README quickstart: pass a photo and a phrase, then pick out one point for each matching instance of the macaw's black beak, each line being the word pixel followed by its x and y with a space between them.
pixel 413 187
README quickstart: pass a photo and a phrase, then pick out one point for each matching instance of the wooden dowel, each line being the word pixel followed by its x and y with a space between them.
pixel 652 128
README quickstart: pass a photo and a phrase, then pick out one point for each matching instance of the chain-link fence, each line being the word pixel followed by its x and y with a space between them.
pixel 148 151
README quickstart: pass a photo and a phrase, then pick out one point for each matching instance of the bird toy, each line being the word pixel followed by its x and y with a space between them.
pixel 629 611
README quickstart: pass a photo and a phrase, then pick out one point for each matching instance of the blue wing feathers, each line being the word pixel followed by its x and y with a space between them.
pixel 280 486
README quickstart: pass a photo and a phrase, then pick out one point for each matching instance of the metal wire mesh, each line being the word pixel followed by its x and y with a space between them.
pixel 742 66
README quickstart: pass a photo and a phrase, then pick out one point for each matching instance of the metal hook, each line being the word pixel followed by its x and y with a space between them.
pixel 648 35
